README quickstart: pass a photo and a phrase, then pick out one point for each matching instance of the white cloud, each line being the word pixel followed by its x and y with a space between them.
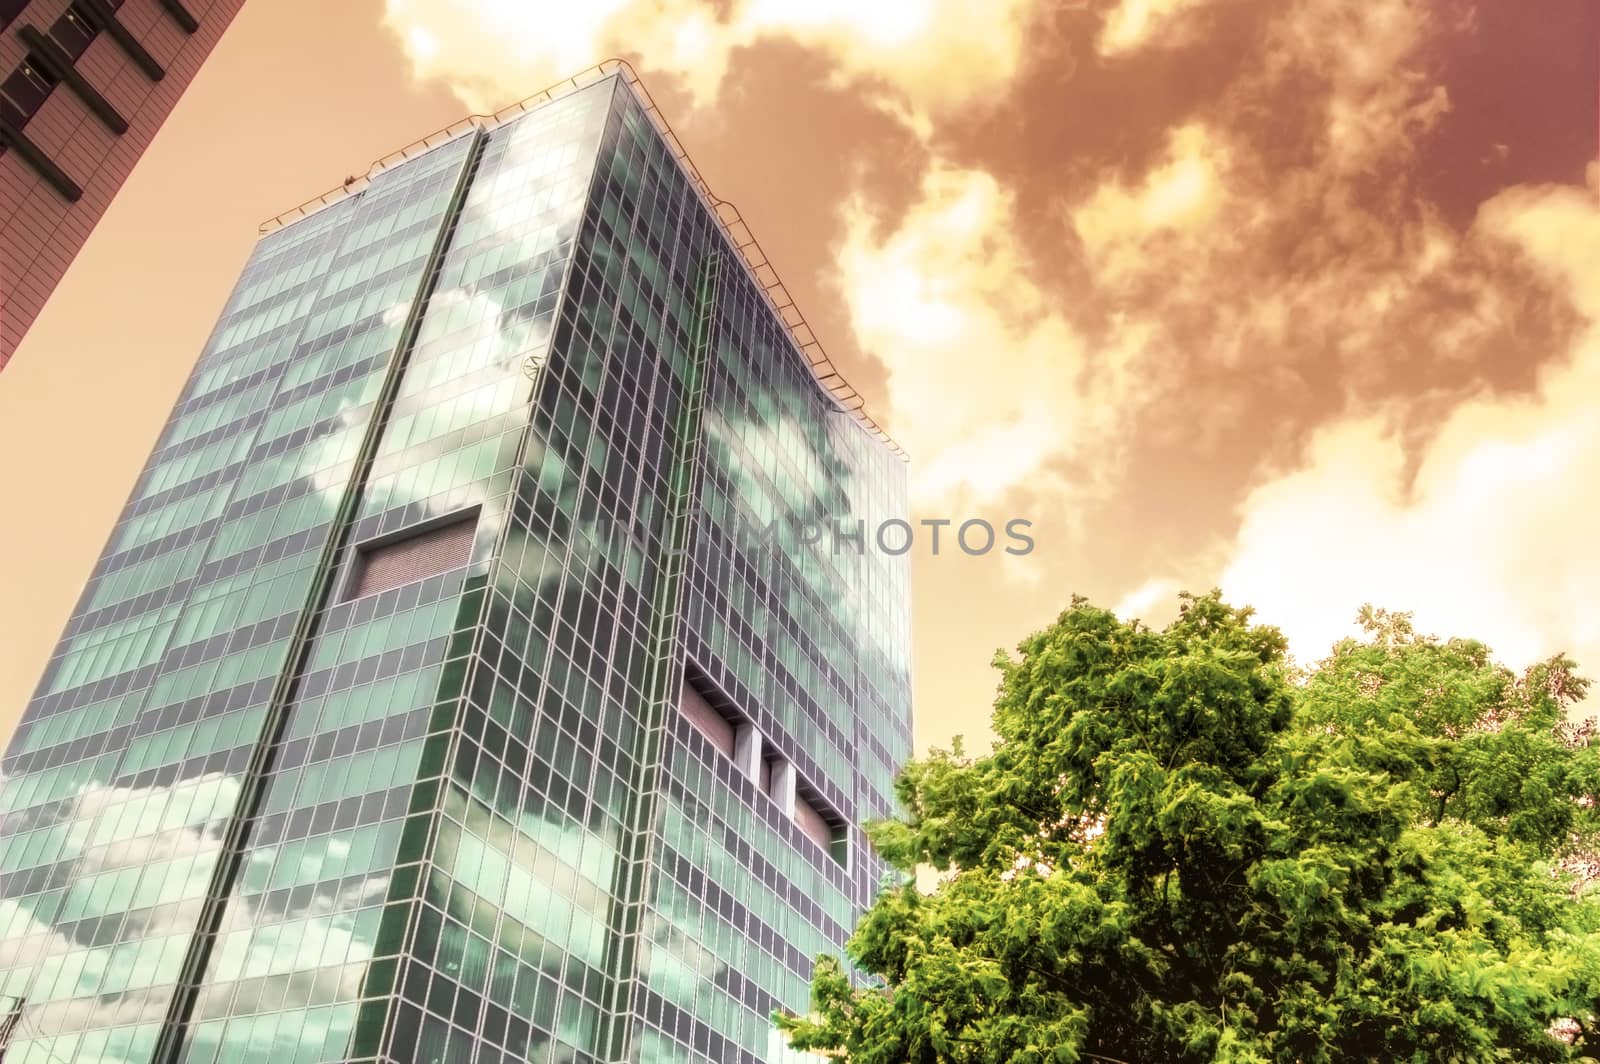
pixel 1368 55
pixel 1155 598
pixel 928 55
pixel 1491 536
pixel 1135 24
pixel 990 387
pixel 1180 194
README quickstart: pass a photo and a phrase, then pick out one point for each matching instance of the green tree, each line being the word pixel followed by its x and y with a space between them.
pixel 1183 849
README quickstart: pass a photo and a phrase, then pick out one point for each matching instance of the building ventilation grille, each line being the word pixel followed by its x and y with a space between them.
pixel 389 564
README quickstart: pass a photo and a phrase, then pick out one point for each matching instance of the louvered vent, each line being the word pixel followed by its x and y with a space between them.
pixel 712 725
pixel 813 823
pixel 394 562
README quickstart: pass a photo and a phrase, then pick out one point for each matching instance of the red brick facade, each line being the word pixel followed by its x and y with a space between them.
pixel 40 230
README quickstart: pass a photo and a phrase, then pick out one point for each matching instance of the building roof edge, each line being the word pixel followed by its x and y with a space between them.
pixel 733 225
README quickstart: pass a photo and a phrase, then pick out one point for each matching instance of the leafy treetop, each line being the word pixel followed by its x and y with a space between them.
pixel 1183 849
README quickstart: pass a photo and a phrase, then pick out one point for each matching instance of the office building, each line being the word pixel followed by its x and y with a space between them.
pixel 84 86
pixel 452 687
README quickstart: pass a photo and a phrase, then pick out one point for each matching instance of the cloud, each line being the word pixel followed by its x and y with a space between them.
pixel 1182 193
pixel 1304 305
pixel 1486 530
pixel 1136 24
pixel 1222 260
pixel 1218 258
pixel 171 833
pixel 1242 248
pixel 1155 597
pixel 930 55
pixel 492 52
pixel 940 54
pixel 1368 56
pixel 177 840
pixel 991 388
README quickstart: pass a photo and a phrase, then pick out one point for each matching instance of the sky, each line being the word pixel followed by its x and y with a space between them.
pixel 1295 298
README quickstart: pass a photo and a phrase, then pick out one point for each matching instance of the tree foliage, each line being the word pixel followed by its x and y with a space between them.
pixel 1182 849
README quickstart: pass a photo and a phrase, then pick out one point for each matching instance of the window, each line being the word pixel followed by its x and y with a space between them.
pixel 10 9
pixel 412 555
pixel 25 91
pixel 73 32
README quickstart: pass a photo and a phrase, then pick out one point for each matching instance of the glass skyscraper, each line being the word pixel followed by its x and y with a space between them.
pixel 494 661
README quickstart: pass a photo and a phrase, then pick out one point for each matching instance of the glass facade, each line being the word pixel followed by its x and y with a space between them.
pixel 266 806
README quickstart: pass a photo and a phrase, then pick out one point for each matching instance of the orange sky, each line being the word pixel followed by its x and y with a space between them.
pixel 1298 297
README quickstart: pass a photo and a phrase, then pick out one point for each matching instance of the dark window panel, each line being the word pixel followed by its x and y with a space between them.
pixel 26 90
pixel 73 31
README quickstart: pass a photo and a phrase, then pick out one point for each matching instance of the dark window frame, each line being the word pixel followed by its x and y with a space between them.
pixel 10 10
pixel 40 84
